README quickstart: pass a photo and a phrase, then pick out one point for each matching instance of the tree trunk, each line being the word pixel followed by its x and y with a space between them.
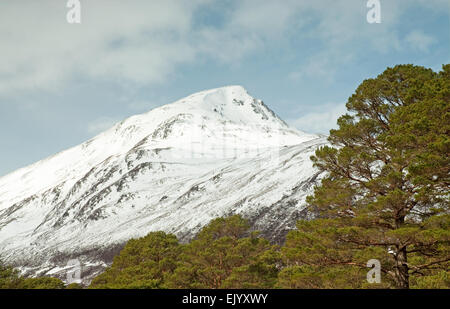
pixel 402 270
pixel 401 260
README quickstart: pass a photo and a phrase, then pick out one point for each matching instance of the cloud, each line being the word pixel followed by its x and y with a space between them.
pixel 320 120
pixel 143 43
pixel 324 66
pixel 420 41
pixel 317 67
pixel 341 29
pixel 140 43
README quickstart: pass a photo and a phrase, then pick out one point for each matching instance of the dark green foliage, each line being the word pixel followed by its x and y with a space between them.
pixel 74 286
pixel 260 272
pixel 221 257
pixel 316 257
pixel 314 277
pixel 42 283
pixel 386 194
pixel 143 263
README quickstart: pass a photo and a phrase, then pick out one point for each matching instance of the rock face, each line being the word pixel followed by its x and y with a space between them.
pixel 215 153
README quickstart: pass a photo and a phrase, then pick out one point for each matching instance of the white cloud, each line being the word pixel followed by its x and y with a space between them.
pixel 143 42
pixel 139 43
pixel 418 40
pixel 314 67
pixel 345 34
pixel 323 66
pixel 320 120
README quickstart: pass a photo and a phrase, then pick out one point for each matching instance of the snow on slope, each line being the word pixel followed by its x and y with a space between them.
pixel 214 153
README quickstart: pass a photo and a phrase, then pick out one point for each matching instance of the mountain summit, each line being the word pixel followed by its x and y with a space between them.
pixel 212 154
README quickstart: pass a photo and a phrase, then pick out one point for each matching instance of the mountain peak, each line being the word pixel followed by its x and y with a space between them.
pixel 230 104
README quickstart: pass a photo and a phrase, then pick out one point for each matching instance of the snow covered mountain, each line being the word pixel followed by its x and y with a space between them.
pixel 212 154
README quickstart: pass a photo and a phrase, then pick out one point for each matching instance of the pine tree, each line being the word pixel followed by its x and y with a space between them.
pixel 385 195
pixel 47 283
pixel 142 264
pixel 222 257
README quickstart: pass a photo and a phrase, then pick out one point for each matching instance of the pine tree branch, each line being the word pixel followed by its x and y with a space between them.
pixel 425 266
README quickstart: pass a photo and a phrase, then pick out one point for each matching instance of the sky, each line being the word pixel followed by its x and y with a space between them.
pixel 62 83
